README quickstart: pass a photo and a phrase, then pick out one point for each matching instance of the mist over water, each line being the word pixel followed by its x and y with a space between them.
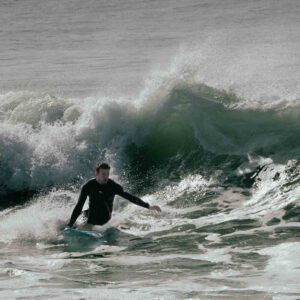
pixel 196 108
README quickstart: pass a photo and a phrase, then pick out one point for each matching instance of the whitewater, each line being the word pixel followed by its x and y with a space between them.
pixel 196 107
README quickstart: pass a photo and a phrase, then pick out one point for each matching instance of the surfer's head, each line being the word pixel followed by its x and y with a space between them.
pixel 102 172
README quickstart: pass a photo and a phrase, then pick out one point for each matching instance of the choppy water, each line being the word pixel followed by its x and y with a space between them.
pixel 196 107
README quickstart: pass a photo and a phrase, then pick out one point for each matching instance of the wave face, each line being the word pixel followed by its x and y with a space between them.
pixel 185 128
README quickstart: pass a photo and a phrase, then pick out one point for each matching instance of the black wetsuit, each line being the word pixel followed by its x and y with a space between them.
pixel 101 197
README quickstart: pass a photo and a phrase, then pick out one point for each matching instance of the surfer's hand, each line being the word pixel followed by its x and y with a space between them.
pixel 155 207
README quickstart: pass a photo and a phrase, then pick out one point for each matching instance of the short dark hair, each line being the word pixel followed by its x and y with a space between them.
pixel 102 165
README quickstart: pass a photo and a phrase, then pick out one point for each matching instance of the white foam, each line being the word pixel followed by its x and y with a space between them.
pixel 282 274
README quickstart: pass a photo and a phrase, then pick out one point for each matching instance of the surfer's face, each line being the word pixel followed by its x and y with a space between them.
pixel 102 175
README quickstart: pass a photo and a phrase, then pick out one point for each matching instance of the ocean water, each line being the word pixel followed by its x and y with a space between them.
pixel 195 104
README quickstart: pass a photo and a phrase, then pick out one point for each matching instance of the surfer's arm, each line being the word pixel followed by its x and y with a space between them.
pixel 78 207
pixel 134 199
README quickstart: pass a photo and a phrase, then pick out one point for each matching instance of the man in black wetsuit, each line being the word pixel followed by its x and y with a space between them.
pixel 101 191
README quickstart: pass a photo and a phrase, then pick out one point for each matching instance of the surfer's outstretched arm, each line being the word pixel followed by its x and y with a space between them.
pixel 78 208
pixel 134 199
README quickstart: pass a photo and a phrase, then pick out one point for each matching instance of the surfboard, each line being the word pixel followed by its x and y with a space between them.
pixel 74 233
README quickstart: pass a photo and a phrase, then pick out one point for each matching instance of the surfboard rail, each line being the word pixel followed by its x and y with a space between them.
pixel 71 232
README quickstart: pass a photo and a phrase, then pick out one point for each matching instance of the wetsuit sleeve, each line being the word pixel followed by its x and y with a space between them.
pixel 78 208
pixel 130 197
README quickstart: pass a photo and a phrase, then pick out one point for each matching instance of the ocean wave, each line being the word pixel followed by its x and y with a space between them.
pixel 179 128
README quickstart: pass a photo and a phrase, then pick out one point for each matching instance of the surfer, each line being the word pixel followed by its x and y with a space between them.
pixel 101 191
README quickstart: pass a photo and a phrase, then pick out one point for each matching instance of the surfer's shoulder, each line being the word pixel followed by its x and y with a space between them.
pixel 111 181
pixel 115 185
pixel 89 182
